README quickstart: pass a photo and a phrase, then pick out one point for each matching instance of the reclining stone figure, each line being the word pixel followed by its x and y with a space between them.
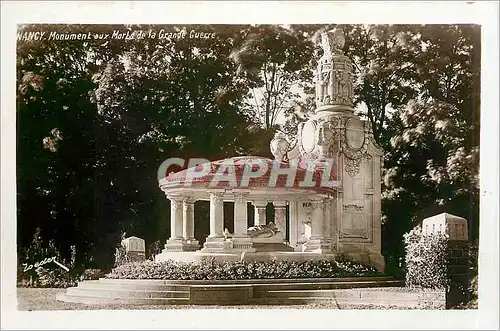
pixel 262 231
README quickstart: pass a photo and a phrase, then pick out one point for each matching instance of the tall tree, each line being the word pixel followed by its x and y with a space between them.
pixel 432 155
pixel 97 118
pixel 275 60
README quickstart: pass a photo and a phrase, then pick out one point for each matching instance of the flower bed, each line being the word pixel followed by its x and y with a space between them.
pixel 212 270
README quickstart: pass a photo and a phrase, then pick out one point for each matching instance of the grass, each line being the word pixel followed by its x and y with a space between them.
pixel 30 299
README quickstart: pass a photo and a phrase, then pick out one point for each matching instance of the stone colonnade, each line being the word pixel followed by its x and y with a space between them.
pixel 182 223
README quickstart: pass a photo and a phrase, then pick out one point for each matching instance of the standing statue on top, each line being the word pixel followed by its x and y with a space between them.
pixel 333 75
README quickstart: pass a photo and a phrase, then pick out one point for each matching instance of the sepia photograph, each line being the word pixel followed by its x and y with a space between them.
pixel 312 167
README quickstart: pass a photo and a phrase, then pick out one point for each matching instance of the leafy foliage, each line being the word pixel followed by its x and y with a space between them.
pixel 426 260
pixel 34 271
pixel 91 274
pixel 54 278
pixel 96 119
pixel 211 270
pixel 120 255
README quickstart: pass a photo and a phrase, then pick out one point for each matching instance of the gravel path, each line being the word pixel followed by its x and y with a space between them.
pixel 45 299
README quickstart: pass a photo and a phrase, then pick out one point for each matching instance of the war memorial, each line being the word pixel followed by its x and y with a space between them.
pixel 325 188
pixel 334 147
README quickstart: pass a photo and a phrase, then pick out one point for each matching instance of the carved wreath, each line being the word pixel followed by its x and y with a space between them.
pixel 353 156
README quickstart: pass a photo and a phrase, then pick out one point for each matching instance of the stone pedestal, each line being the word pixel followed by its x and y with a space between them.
pixel 135 249
pixel 216 244
pixel 174 245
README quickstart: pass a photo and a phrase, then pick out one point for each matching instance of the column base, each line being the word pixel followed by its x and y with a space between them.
pixel 181 245
pixel 217 244
pixel 318 245
pixel 191 245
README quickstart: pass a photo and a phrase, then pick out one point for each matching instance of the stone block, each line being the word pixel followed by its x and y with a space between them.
pixel 454 226
pixel 134 244
pixel 135 248
pixel 136 256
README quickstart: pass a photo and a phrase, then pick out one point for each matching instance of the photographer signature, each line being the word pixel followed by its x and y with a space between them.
pixel 41 263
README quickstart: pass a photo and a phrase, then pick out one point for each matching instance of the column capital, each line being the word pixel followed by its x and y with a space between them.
pixel 260 203
pixel 216 195
pixel 189 200
pixel 278 204
pixel 328 198
pixel 240 198
pixel 188 206
pixel 176 198
pixel 316 202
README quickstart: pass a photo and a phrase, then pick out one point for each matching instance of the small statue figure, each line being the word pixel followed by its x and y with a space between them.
pixel 227 234
pixel 279 146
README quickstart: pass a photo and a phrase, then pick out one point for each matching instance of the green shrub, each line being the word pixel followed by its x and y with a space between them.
pixel 91 274
pixel 36 252
pixel 211 270
pixel 54 278
pixel 426 260
pixel 154 249
pixel 121 256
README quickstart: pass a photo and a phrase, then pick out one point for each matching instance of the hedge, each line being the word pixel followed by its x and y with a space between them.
pixel 426 260
pixel 213 270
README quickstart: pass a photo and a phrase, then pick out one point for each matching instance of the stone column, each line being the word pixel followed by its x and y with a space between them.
pixel 241 240
pixel 280 216
pixel 188 225
pixel 216 216
pixel 294 225
pixel 327 220
pixel 317 242
pixel 317 219
pixel 215 240
pixel 260 212
pixel 240 216
pixel 175 242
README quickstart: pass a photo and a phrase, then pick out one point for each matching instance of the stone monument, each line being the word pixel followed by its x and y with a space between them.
pixel 309 221
pixel 135 249
pixel 335 134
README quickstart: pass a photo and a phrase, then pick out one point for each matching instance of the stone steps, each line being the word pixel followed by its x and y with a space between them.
pixel 272 291
pixel 123 293
pixel 131 286
pixel 333 293
pixel 93 300
pixel 305 284
pixel 328 286
pixel 239 281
